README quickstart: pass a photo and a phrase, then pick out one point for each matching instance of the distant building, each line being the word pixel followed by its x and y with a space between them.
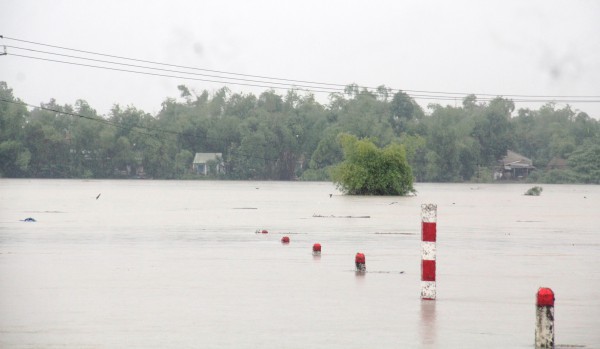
pixel 514 166
pixel 208 163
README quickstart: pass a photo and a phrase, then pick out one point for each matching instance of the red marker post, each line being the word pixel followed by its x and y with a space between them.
pixel 316 249
pixel 360 262
pixel 428 250
pixel 544 321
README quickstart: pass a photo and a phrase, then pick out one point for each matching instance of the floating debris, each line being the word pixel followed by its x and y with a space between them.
pixel 392 233
pixel 333 216
pixel 534 191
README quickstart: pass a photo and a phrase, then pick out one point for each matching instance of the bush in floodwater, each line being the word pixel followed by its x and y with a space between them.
pixel 535 191
pixel 370 170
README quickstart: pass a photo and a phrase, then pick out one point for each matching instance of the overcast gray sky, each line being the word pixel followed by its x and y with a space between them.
pixel 547 48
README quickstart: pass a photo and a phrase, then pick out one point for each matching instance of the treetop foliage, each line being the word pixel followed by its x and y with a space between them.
pixel 292 136
pixel 368 170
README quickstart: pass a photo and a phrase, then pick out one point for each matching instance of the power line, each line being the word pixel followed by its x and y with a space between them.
pixel 307 88
pixel 416 94
pixel 158 69
pixel 168 64
pixel 157 74
pixel 339 86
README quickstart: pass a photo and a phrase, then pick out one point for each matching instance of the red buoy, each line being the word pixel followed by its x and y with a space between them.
pixel 360 262
pixel 285 240
pixel 264 231
pixel 545 297
pixel 316 249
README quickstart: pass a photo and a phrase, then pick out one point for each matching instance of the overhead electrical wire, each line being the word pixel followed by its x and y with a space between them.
pixel 154 74
pixel 288 87
pixel 158 69
pixel 167 64
pixel 276 83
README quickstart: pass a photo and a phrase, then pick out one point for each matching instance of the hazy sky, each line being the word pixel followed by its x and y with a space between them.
pixel 547 48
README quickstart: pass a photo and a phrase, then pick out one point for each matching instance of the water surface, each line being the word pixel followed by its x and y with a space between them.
pixel 176 264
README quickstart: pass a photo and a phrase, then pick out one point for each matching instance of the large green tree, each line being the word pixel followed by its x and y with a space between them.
pixel 369 170
pixel 14 155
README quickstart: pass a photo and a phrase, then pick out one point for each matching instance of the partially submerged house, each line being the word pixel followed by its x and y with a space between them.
pixel 514 166
pixel 208 163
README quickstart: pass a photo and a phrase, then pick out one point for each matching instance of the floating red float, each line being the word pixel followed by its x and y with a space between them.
pixel 316 249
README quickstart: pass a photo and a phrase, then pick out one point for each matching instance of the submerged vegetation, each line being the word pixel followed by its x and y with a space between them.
pixel 368 170
pixel 292 136
pixel 534 191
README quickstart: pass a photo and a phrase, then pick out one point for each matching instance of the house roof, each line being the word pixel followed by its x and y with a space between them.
pixel 202 158
pixel 515 160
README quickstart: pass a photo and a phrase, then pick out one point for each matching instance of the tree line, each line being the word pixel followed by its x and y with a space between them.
pixel 291 136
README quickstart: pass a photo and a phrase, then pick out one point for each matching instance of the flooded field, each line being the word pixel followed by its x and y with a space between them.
pixel 177 264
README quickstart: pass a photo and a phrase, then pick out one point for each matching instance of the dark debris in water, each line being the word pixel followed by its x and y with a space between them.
pixel 534 191
pixel 393 233
pixel 376 271
pixel 333 216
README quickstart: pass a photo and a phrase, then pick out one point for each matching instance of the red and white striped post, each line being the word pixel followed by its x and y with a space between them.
pixel 544 325
pixel 428 238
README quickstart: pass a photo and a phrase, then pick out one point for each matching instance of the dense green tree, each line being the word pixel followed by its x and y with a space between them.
pixel 494 131
pixel 585 162
pixel 14 155
pixel 403 111
pixel 291 135
pixel 369 170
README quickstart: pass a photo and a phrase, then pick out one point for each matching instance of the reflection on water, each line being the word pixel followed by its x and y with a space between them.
pixel 174 264
pixel 428 323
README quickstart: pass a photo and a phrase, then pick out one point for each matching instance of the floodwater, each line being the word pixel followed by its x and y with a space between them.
pixel 177 264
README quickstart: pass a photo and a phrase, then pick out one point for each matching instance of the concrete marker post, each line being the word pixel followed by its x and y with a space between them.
pixel 360 262
pixel 544 319
pixel 428 250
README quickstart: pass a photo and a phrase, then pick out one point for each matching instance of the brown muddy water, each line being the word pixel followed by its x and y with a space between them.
pixel 176 264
